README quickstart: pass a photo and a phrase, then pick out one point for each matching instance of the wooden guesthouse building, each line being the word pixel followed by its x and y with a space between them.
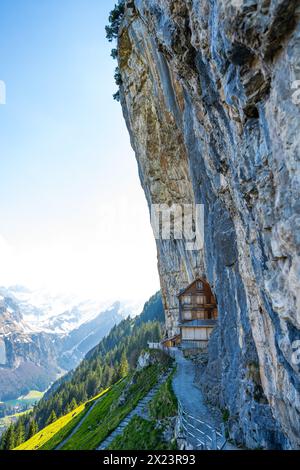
pixel 197 314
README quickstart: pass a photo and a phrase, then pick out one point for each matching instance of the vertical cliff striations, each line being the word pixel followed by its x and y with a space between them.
pixel 209 94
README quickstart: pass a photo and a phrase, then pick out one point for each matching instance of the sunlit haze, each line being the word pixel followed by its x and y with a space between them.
pixel 73 217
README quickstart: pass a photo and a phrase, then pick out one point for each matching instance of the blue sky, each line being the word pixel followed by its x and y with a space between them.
pixel 72 213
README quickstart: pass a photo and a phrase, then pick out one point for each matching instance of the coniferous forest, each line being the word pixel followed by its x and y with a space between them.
pixel 108 362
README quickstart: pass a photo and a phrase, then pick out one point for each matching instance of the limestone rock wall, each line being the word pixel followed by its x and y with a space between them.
pixel 210 96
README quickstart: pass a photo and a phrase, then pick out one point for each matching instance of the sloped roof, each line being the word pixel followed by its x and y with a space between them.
pixel 182 291
pixel 170 339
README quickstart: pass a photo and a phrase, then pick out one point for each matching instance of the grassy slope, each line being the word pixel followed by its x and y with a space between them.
pixel 49 437
pixel 144 435
pixel 30 399
pixel 39 439
pixel 164 403
pixel 104 418
pixel 32 395
pixel 107 414
pixel 140 435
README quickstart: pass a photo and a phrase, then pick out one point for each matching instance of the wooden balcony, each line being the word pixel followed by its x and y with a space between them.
pixel 196 306
pixel 198 323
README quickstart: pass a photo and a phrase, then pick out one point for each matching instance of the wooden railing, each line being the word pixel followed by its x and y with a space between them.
pixel 170 351
pixel 198 433
pixel 197 305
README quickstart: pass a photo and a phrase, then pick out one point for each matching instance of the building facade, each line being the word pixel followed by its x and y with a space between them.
pixel 198 314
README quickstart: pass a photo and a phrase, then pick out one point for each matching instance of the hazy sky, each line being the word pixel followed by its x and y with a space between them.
pixel 72 214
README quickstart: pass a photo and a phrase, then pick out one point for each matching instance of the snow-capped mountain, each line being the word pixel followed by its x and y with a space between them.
pixel 60 314
pixel 43 336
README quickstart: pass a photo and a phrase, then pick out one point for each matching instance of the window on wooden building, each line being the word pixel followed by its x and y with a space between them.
pixel 201 299
pixel 187 299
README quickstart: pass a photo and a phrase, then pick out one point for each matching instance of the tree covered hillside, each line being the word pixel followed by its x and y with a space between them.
pixel 104 365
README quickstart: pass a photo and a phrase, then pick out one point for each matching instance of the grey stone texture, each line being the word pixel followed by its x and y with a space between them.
pixel 210 98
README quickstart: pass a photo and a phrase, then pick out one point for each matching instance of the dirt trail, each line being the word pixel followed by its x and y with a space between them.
pixel 78 425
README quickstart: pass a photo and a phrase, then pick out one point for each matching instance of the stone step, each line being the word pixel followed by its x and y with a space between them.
pixel 138 410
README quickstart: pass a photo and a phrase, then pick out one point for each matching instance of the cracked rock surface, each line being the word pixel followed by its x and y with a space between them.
pixel 209 93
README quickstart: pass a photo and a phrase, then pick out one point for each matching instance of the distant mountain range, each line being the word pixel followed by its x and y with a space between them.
pixel 42 337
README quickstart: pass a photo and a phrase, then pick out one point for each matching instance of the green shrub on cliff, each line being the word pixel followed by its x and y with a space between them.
pixel 112 32
pixel 115 18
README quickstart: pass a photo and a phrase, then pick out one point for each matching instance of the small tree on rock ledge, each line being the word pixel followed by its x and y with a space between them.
pixel 112 32
pixel 115 18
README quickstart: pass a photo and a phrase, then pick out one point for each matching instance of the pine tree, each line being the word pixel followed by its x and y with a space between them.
pixel 68 408
pixel 33 428
pixel 115 19
pixel 124 367
pixel 52 417
pixel 92 385
pixel 84 396
pixel 20 436
pixel 73 404
pixel 10 438
pixel 59 407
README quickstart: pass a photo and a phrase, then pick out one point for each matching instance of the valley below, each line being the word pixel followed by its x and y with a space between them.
pixel 38 346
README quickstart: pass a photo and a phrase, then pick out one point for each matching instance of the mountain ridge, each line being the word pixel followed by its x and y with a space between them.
pixel 104 365
pixel 32 358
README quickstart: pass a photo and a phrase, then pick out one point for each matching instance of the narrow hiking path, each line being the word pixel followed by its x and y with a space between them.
pixel 79 424
pixel 190 396
pixel 188 393
pixel 139 410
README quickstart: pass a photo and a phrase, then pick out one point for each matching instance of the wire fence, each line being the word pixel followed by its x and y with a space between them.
pixel 199 434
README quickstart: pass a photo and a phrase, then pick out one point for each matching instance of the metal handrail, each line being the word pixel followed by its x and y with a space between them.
pixel 206 439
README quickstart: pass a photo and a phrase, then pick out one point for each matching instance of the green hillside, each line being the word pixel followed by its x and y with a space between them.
pixel 110 408
pixel 142 434
pixel 108 414
pixel 105 365
pixel 55 432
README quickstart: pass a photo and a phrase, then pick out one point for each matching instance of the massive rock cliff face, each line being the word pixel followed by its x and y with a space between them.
pixel 209 94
